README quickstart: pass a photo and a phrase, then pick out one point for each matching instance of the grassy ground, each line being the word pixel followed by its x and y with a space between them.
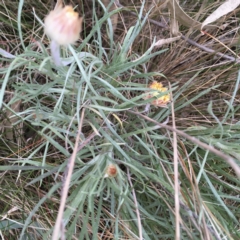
pixel 97 97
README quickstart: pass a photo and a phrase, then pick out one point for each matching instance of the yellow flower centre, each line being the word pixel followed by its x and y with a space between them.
pixel 70 12
pixel 159 101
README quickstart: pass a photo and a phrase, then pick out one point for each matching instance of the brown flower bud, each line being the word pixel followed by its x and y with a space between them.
pixel 111 171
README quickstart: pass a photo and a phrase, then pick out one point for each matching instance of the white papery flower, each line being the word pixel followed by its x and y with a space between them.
pixel 63 25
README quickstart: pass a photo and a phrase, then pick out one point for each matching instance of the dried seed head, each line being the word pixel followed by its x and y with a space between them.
pixel 159 101
pixel 111 171
pixel 63 25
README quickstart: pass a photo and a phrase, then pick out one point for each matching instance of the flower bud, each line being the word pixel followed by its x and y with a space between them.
pixel 111 171
pixel 63 25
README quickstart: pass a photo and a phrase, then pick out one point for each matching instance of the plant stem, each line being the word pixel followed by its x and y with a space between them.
pixel 55 51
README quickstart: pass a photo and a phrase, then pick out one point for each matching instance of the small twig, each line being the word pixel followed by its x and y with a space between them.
pixel 136 205
pixel 209 50
pixel 67 177
pixel 190 41
pixel 222 155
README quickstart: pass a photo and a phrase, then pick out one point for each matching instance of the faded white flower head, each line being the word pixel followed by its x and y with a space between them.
pixel 63 25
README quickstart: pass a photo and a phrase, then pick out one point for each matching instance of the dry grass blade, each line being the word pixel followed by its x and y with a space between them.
pixel 183 18
pixel 114 17
pixel 176 175
pixel 192 42
pixel 67 178
pixel 174 27
pixel 136 206
pixel 222 10
pixel 227 158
